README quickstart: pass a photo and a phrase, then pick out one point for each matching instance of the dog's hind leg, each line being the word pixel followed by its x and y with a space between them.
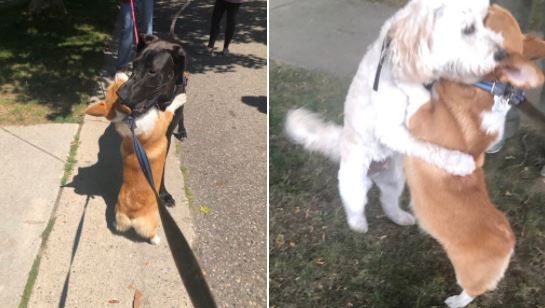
pixel 122 222
pixel 354 184
pixel 146 226
pixel 459 301
pixel 391 183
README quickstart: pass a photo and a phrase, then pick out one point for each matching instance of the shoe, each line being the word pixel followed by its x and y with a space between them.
pixel 225 52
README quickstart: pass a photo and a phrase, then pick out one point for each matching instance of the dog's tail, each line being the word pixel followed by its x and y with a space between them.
pixel 309 130
pixel 175 18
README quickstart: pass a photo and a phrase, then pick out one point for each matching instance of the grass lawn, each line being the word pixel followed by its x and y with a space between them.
pixel 315 260
pixel 48 67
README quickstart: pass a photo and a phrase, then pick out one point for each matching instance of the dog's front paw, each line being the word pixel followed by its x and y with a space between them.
pixel 358 224
pixel 181 134
pixel 459 164
pixel 167 199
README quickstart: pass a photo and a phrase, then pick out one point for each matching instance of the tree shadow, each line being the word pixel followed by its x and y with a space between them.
pixel 260 102
pixel 193 27
pixel 53 62
pixel 104 178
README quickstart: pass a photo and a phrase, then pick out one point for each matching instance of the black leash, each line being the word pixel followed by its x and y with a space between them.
pixel 186 262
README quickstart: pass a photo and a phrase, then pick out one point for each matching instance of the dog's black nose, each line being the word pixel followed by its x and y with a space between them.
pixel 500 55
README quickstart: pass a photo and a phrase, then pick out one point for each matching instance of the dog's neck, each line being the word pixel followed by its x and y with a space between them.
pixel 459 117
pixel 144 123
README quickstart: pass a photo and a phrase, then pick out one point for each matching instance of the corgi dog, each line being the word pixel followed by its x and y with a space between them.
pixel 136 205
pixel 457 210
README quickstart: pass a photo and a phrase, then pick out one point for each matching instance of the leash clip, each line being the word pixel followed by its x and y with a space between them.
pixel 513 95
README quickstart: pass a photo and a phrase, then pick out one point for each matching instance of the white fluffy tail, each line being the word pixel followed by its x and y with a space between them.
pixel 312 132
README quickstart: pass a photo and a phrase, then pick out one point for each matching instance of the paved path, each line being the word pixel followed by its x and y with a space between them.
pixel 33 159
pixel 323 34
pixel 86 262
pixel 226 154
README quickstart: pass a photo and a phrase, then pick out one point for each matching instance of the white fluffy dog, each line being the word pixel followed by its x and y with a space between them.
pixel 428 40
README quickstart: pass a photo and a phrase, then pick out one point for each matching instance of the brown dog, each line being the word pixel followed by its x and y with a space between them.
pixel 457 210
pixel 136 204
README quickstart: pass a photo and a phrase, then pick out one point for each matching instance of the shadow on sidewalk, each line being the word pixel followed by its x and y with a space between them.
pixel 260 102
pixel 104 178
pixel 193 27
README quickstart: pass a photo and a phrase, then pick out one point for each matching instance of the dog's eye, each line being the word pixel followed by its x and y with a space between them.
pixel 469 30
pixel 151 72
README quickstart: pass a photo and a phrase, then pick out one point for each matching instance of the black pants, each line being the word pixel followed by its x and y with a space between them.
pixel 219 9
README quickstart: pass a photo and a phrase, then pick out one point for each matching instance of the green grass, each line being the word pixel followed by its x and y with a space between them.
pixel 71 159
pixel 315 260
pixel 203 208
pixel 48 67
pixel 35 266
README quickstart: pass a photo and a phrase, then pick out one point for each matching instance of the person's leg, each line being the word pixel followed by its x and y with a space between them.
pixel 147 16
pixel 232 10
pixel 126 36
pixel 219 10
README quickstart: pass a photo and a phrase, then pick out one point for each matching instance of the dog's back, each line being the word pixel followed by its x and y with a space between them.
pixel 455 210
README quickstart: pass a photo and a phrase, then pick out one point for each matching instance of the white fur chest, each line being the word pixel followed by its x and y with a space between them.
pixel 144 123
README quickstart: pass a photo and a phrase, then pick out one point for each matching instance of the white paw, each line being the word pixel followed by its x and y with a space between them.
pixel 121 76
pixel 155 240
pixel 178 101
pixel 403 218
pixel 459 163
pixel 458 301
pixel 358 224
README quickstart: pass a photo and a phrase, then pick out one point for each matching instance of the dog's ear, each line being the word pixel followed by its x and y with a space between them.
pixel 144 40
pixel 534 47
pixel 409 36
pixel 98 109
pixel 520 72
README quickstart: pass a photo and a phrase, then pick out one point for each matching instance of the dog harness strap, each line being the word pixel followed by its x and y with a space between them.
pixel 385 46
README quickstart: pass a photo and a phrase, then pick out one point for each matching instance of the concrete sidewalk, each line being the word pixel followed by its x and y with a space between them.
pixel 226 153
pixel 86 262
pixel 323 34
pixel 33 165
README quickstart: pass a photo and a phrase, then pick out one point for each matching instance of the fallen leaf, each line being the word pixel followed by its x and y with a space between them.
pixel 137 301
pixel 279 241
pixel 204 209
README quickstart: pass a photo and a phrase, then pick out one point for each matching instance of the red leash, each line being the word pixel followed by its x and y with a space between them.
pixel 134 23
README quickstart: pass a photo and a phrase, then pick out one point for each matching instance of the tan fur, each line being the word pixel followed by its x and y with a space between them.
pixel 136 204
pixel 457 211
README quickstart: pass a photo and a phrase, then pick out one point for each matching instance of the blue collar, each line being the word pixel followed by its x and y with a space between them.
pixel 506 90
